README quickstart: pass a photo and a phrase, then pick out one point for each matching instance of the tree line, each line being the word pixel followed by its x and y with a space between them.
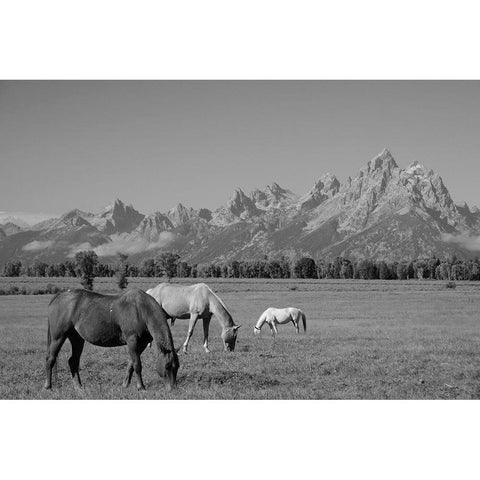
pixel 87 266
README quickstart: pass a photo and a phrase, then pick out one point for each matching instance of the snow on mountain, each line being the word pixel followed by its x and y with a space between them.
pixel 239 207
pixel 152 226
pixel 384 212
pixel 10 228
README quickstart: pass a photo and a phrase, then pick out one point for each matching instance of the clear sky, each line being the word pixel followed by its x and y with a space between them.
pixel 81 144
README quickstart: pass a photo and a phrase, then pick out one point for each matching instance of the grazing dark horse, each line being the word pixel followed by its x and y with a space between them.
pixel 132 318
pixel 194 302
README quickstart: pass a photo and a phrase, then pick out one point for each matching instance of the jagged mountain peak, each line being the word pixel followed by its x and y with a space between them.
pixel 275 188
pixel 325 187
pixel 239 207
pixel 384 161
pixel 181 214
pixel 117 218
pixel 153 225
pixel 73 218
pixel 418 169
pixel 179 207
pixel 73 213
pixel 384 212
pixel 237 194
pixel 10 228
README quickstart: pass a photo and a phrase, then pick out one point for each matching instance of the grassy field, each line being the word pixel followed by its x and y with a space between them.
pixel 365 340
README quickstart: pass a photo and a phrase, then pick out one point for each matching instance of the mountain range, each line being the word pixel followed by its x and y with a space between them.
pixel 384 212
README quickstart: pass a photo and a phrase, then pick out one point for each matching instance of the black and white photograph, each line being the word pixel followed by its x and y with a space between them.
pixel 239 240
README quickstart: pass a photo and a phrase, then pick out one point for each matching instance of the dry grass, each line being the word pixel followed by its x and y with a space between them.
pixel 365 339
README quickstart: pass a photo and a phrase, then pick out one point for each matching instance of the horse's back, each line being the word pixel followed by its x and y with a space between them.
pixel 180 300
pixel 283 314
pixel 103 320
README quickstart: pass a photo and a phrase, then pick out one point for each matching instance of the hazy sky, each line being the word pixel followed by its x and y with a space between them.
pixel 154 144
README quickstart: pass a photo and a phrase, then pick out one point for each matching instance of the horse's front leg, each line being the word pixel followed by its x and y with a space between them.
pixel 273 329
pixel 206 325
pixel 191 326
pixel 128 375
pixel 135 350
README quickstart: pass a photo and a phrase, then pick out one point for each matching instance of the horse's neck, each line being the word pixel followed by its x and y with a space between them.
pixel 261 321
pixel 219 311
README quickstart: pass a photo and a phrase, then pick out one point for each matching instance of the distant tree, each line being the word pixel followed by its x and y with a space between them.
pixel 442 272
pixel 305 268
pixel 133 271
pixel 70 268
pixel 61 270
pixel 367 270
pixel 420 266
pixel 39 268
pixel 286 268
pixel 431 267
pixel 474 268
pixel 12 268
pixel 402 271
pixel 410 270
pixel 383 271
pixel 346 269
pixel 121 271
pixel 336 267
pixel 235 269
pixel 194 271
pixel 184 269
pixel 167 263
pixel 52 270
pixel 393 270
pixel 147 268
pixel 86 263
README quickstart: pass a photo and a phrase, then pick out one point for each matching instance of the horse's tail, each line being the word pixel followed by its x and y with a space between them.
pixel 304 321
pixel 49 338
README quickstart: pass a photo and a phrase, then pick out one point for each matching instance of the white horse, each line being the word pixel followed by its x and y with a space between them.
pixel 280 316
pixel 194 302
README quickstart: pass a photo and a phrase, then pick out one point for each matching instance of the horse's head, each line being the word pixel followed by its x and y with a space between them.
pixel 256 330
pixel 229 337
pixel 167 367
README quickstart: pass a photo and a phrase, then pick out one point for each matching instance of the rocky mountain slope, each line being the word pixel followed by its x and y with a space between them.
pixel 384 212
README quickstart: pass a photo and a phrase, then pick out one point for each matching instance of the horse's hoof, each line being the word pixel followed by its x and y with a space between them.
pixel 207 350
pixel 47 387
pixel 140 388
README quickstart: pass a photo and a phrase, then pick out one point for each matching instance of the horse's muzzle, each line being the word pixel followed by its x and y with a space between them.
pixel 171 381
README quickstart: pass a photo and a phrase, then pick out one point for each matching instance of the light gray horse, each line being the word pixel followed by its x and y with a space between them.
pixel 279 316
pixel 194 302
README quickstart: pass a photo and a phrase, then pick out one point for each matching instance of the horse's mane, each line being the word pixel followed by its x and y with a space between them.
pixel 54 298
pixel 219 300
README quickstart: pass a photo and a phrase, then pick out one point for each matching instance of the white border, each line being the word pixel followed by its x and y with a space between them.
pixel 218 39
pixel 239 40
pixel 221 439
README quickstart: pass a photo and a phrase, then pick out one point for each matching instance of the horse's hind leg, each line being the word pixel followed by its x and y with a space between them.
pixel 74 361
pixel 53 349
pixel 135 349
pixel 206 325
pixel 295 323
pixel 191 326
